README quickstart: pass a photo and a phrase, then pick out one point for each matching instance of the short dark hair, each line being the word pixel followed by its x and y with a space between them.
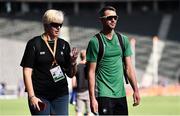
pixel 101 12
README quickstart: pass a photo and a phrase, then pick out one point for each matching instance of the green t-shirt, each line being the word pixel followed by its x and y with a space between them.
pixel 109 73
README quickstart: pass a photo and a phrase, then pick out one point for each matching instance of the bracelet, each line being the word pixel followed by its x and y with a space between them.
pixel 31 97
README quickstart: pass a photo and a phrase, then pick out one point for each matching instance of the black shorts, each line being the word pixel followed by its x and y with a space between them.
pixel 112 106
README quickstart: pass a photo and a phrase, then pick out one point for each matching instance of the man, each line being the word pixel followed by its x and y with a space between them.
pixel 107 75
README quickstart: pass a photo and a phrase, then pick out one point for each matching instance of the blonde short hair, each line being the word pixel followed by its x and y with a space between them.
pixel 53 16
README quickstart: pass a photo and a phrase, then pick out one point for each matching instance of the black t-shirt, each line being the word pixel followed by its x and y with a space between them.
pixel 81 77
pixel 38 57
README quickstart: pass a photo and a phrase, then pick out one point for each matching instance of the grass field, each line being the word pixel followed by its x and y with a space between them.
pixel 156 105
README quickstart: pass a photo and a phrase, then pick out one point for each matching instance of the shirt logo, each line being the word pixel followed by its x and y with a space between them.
pixel 42 53
pixel 62 53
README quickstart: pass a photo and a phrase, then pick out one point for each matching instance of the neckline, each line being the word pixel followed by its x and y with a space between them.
pixel 102 34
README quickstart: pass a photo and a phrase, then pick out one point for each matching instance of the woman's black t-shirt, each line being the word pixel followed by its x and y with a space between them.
pixel 38 57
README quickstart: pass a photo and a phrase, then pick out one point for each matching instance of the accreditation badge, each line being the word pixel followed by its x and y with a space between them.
pixel 57 73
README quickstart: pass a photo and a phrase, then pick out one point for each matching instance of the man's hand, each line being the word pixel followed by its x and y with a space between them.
pixel 94 106
pixel 136 98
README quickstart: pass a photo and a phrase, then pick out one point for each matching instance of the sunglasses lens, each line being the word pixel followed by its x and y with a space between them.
pixel 56 25
pixel 112 17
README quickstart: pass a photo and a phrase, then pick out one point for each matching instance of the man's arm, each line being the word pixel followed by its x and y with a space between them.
pixel 91 80
pixel 132 79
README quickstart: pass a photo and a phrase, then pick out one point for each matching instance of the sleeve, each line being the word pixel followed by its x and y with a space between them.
pixel 92 50
pixel 67 65
pixel 127 46
pixel 29 55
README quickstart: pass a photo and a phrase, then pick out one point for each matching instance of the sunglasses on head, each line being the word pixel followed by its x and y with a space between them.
pixel 56 25
pixel 115 17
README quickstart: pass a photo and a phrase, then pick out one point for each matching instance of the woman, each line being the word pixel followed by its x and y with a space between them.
pixel 46 62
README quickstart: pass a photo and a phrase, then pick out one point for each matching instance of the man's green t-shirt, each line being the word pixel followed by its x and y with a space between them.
pixel 109 73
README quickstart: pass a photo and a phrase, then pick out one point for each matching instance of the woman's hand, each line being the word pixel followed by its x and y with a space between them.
pixel 34 102
pixel 74 54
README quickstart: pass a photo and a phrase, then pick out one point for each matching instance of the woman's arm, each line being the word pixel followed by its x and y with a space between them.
pixel 27 72
pixel 74 54
pixel 27 75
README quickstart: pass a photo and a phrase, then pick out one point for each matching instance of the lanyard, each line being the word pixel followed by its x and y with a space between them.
pixel 53 52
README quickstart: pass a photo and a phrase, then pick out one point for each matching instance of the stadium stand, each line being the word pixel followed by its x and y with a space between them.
pixel 174 34
pixel 169 63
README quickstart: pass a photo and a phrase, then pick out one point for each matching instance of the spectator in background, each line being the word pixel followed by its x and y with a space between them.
pixel 74 92
pixel 107 76
pixel 80 83
pixel 20 89
pixel 2 88
pixel 46 62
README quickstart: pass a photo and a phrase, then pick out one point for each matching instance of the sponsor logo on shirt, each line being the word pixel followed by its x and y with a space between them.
pixel 42 53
